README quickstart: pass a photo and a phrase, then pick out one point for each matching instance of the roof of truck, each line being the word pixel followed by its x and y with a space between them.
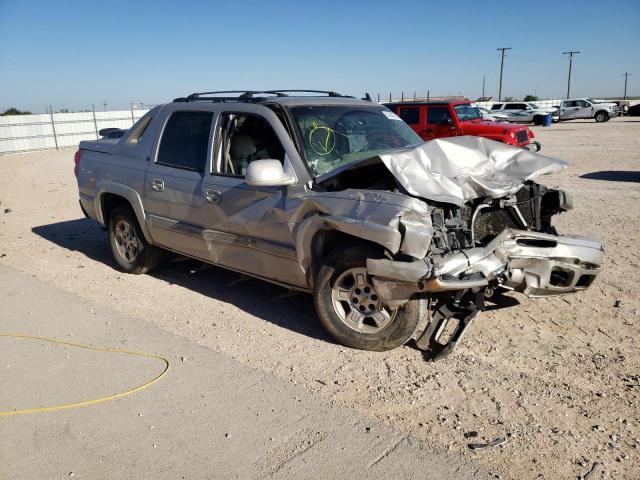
pixel 282 97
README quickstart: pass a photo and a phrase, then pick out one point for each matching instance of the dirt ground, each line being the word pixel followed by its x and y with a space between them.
pixel 560 375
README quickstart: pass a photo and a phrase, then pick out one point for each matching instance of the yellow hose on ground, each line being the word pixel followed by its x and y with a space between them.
pixel 86 402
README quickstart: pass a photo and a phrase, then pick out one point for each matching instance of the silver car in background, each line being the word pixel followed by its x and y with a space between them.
pixel 524 112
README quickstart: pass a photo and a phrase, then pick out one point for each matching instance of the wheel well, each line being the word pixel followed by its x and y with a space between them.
pixel 108 202
pixel 326 242
pixel 601 111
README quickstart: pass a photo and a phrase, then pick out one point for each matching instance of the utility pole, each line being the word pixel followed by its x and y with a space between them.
pixel 483 79
pixel 571 54
pixel 625 75
pixel 501 50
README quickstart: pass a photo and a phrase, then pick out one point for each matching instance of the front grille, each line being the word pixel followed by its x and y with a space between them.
pixel 522 136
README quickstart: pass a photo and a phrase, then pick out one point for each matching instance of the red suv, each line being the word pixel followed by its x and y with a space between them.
pixel 452 118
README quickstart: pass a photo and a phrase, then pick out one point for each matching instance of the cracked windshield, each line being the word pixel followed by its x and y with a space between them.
pixel 336 135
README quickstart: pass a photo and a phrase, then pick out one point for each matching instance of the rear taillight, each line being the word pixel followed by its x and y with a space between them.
pixel 76 161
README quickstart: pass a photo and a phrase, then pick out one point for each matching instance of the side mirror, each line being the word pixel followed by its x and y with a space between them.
pixel 447 122
pixel 267 173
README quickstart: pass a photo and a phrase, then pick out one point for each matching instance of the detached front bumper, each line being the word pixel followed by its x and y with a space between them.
pixel 536 264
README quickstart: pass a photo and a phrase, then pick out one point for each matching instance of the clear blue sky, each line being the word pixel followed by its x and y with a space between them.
pixel 75 53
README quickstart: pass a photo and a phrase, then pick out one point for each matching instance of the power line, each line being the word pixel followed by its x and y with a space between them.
pixel 626 75
pixel 501 50
pixel 571 54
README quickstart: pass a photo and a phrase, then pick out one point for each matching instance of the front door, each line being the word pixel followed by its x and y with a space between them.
pixel 440 123
pixel 247 228
pixel 584 110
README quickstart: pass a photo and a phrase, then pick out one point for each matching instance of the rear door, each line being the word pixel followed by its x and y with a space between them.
pixel 413 116
pixel 173 182
pixel 569 109
pixel 440 123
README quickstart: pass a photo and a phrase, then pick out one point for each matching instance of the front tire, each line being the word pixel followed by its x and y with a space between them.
pixel 130 249
pixel 601 117
pixel 350 309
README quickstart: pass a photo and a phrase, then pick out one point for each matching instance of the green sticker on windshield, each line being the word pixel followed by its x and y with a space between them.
pixel 322 139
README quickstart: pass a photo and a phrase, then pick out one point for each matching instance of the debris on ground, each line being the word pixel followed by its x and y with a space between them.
pixel 591 472
pixel 494 443
pixel 7 210
pixel 470 434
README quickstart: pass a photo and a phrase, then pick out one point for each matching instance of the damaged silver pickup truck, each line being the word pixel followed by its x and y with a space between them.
pixel 315 191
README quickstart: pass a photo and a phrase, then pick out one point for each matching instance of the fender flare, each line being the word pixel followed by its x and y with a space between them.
pixel 388 237
pixel 128 194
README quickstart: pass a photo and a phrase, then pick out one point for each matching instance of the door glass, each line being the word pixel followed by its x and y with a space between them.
pixel 246 138
pixel 410 115
pixel 185 140
pixel 438 115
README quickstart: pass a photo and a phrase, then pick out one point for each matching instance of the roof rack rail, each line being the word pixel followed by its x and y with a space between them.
pixel 249 95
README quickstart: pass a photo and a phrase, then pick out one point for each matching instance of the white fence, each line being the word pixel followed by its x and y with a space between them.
pixel 22 133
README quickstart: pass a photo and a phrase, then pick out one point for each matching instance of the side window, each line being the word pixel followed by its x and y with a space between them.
pixel 246 138
pixel 185 140
pixel 496 106
pixel 582 103
pixel 410 115
pixel 570 103
pixel 438 115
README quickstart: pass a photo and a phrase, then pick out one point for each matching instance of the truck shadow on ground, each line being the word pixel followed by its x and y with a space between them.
pixel 264 300
pixel 613 176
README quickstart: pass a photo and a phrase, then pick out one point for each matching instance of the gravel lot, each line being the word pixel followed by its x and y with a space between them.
pixel 561 375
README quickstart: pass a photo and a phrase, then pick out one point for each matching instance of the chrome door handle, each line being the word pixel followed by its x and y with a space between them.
pixel 212 196
pixel 157 185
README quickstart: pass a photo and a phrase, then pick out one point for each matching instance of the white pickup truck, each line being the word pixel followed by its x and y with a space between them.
pixel 587 108
pixel 524 112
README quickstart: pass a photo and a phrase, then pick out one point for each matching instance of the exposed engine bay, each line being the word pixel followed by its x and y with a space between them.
pixel 494 233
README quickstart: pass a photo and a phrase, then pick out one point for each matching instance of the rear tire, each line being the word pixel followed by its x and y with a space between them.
pixel 601 117
pixel 538 120
pixel 130 249
pixel 349 308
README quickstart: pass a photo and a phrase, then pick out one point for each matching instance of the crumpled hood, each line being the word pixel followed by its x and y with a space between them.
pixel 456 170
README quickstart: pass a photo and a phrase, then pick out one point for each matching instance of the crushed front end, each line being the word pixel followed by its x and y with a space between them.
pixel 486 244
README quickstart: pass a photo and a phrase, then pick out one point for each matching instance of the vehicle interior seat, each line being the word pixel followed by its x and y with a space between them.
pixel 241 151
